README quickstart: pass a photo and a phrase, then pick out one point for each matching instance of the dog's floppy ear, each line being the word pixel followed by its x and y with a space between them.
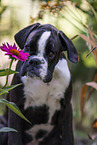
pixel 21 36
pixel 68 46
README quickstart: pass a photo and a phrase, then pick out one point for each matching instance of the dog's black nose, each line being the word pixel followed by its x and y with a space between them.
pixel 35 62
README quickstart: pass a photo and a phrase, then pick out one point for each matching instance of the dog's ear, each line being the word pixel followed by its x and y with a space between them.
pixel 68 46
pixel 22 35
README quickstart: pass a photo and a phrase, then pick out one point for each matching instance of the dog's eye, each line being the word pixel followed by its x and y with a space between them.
pixel 51 55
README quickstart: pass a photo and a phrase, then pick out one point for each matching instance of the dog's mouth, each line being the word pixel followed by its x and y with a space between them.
pixel 33 73
pixel 30 71
pixel 36 72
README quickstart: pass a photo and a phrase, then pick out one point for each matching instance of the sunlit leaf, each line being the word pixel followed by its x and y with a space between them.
pixel 91 51
pixel 14 108
pixel 4 72
pixel 2 9
pixel 95 54
pixel 7 129
pixel 95 78
pixel 94 50
pixel 75 36
pixel 87 40
pixel 94 124
pixel 92 43
pixel 89 94
pixel 83 98
pixel 92 84
pixel 93 10
pixel 8 88
pixel 83 94
pixel 91 89
pixel 91 35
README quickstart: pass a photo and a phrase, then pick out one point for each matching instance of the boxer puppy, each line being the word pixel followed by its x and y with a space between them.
pixel 45 96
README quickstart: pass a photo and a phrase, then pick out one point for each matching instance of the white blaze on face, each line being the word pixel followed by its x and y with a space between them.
pixel 42 42
pixel 41 49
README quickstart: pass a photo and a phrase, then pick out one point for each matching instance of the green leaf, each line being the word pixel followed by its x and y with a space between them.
pixel 4 72
pixel 7 129
pixel 14 108
pixel 8 88
pixel 2 91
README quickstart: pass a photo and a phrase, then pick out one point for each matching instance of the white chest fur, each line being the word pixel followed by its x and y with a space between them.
pixel 38 93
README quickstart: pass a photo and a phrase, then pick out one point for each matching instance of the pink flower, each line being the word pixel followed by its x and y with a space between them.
pixel 12 51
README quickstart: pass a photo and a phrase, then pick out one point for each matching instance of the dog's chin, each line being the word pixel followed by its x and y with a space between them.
pixel 47 79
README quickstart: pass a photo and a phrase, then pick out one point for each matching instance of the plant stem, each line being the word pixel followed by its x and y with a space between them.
pixel 8 73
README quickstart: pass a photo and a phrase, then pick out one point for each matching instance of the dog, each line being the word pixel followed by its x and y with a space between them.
pixel 45 94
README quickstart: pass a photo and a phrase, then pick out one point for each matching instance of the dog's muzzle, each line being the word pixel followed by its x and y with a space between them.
pixel 36 67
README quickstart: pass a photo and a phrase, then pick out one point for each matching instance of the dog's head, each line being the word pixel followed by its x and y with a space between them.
pixel 44 43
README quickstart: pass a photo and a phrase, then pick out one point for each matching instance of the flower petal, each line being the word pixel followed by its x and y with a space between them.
pixel 8 53
pixel 4 48
pixel 14 46
pixel 14 52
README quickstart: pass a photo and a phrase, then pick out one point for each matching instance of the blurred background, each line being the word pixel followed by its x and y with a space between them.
pixel 78 20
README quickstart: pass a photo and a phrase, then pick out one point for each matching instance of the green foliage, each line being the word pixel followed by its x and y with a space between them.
pixel 8 88
pixel 4 72
pixel 2 9
pixel 78 1
pixel 14 108
pixel 5 88
pixel 7 129
pixel 90 1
